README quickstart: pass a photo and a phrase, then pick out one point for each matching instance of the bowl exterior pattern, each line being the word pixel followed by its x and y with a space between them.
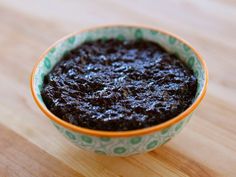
pixel 123 146
pixel 126 145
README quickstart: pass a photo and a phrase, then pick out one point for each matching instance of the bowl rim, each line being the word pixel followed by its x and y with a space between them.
pixel 128 133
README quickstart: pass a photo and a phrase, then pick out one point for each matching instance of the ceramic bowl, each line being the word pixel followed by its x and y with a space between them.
pixel 121 143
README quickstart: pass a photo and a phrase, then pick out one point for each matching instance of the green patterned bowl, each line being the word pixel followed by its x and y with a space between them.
pixel 121 143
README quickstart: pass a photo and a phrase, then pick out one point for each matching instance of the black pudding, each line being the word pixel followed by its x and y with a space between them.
pixel 118 85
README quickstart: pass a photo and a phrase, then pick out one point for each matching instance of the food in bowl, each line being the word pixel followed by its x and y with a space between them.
pixel 118 85
pixel 130 142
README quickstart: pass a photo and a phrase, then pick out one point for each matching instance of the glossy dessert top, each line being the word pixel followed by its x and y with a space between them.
pixel 118 85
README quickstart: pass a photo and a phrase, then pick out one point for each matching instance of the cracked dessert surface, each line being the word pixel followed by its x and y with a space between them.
pixel 118 85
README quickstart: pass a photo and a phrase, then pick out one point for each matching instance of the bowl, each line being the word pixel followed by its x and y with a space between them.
pixel 121 143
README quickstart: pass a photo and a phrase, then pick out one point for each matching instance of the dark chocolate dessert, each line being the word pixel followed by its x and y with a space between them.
pixel 118 85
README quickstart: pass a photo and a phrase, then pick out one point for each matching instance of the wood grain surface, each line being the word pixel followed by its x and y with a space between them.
pixel 30 146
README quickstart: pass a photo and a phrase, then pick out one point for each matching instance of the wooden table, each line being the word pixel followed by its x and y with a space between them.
pixel 30 146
